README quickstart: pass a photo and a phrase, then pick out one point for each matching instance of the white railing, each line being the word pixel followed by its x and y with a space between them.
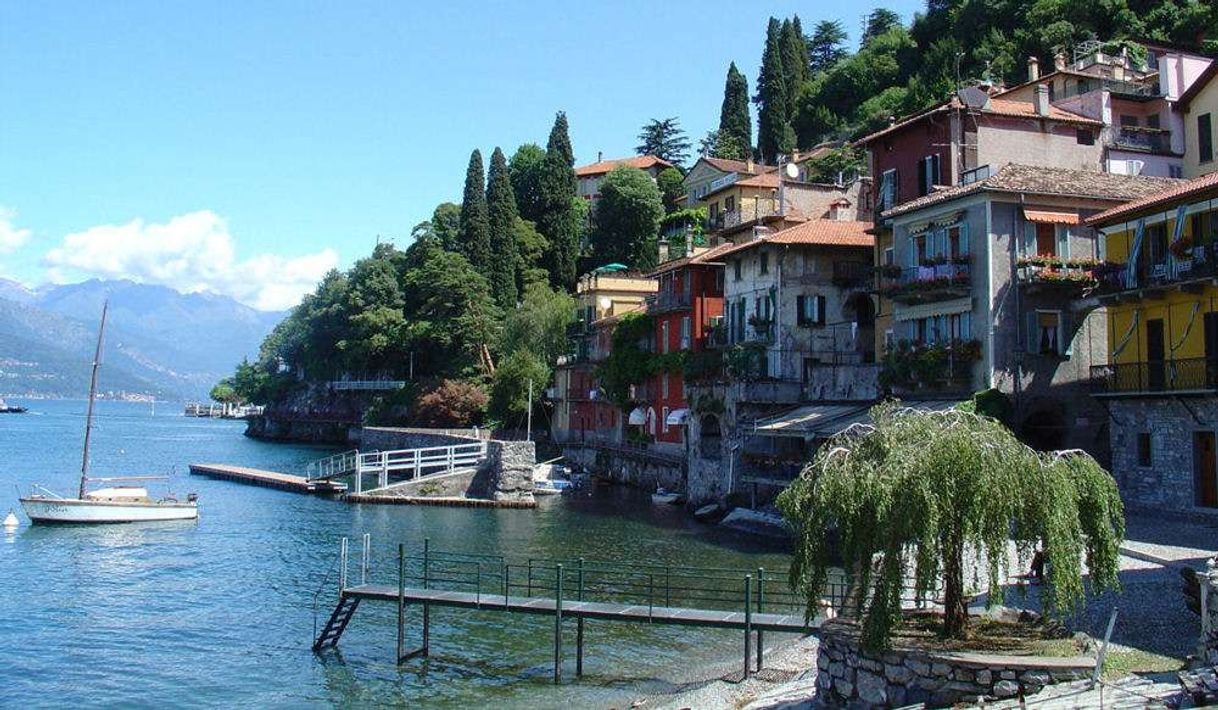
pixel 372 385
pixel 331 466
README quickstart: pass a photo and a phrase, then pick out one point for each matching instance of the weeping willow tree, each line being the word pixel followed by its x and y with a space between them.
pixel 917 495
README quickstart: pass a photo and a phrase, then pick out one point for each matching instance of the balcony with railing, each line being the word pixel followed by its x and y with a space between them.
pixel 1189 264
pixel 852 274
pixel 928 283
pixel 670 300
pixel 1142 139
pixel 1072 278
pixel 759 209
pixel 1191 375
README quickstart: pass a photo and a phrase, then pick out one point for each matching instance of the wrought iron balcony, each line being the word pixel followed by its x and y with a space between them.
pixel 1149 140
pixel 1157 376
pixel 666 301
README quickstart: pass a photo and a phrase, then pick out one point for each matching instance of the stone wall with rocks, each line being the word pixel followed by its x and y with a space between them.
pixel 1208 646
pixel 396 438
pixel 1168 481
pixel 507 473
pixel 637 469
pixel 847 675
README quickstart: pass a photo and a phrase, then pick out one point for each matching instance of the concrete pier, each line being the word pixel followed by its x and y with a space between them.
pixel 269 479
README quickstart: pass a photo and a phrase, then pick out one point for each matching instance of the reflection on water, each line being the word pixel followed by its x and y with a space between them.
pixel 220 611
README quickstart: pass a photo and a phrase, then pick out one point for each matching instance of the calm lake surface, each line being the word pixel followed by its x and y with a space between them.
pixel 221 612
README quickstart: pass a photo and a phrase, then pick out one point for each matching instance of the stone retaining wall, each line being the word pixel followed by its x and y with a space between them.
pixel 848 675
pixel 627 468
pixel 393 439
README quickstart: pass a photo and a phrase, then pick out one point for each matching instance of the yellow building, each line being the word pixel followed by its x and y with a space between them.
pixel 1200 107
pixel 1160 385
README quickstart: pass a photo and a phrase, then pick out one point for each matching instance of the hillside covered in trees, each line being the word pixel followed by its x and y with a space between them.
pixel 810 87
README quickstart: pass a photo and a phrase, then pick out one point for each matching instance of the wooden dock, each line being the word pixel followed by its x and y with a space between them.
pixel 268 479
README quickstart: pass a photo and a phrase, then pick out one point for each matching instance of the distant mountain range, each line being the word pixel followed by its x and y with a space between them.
pixel 158 341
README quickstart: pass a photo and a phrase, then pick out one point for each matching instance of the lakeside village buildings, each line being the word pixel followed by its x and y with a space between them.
pixel 1056 241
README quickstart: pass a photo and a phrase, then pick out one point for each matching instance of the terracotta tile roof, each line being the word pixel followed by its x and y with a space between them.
pixel 1160 200
pixel 825 232
pixel 1038 180
pixel 996 107
pixel 765 180
pixel 736 166
pixel 707 257
pixel 642 162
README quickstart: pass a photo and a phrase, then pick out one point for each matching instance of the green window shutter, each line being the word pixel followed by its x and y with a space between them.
pixel 1033 335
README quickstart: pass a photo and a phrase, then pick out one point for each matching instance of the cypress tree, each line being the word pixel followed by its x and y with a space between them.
pixel 559 221
pixel 774 132
pixel 475 238
pixel 735 123
pixel 794 62
pixel 501 216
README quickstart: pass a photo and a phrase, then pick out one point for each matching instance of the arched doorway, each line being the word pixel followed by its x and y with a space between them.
pixel 1044 429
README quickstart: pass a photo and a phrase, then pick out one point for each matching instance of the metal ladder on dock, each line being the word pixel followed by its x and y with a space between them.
pixel 337 624
pixel 581 591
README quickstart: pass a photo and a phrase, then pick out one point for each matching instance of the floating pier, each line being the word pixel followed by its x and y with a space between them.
pixel 581 590
pixel 268 479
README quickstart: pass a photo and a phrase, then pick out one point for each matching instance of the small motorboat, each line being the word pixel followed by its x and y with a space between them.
pixel 664 497
pixel 6 408
pixel 550 479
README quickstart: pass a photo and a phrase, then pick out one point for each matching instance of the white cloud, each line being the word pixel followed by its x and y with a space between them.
pixel 191 252
pixel 10 236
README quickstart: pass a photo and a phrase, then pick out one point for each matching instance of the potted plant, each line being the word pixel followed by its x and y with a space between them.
pixel 759 323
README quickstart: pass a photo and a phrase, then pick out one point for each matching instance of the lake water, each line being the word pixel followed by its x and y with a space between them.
pixel 221 612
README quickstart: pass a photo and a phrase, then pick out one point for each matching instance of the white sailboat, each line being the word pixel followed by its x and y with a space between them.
pixel 114 504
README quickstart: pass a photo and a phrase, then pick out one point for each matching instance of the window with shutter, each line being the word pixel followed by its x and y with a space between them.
pixel 1063 241
pixel 801 317
pixel 1205 138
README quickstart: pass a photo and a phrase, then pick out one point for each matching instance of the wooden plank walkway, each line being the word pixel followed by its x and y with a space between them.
pixel 637 613
pixel 269 479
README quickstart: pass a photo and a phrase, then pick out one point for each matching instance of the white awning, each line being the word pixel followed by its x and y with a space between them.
pixel 804 421
pixel 638 417
pixel 821 421
pixel 677 417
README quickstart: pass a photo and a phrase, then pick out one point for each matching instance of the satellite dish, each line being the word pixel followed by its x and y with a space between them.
pixel 974 97
pixel 605 302
pixel 792 170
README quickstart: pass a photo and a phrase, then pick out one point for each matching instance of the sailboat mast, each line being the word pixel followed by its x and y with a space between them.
pixel 84 462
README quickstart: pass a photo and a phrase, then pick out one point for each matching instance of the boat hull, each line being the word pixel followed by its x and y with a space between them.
pixel 66 510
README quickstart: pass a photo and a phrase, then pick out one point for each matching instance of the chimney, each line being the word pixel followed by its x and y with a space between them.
pixel 1059 60
pixel 1033 68
pixel 663 251
pixel 1041 100
pixel 599 156
pixel 749 164
pixel 795 156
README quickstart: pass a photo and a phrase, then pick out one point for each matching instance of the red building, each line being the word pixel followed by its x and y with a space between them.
pixel 689 301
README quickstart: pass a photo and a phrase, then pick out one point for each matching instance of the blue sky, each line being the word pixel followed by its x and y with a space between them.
pixel 246 147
